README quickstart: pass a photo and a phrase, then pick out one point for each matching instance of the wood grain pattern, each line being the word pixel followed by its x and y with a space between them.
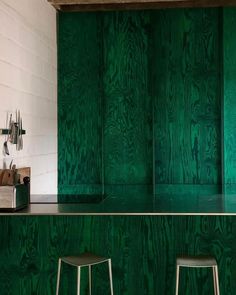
pixel 143 251
pixel 229 106
pixel 127 113
pixel 79 103
pixel 187 96
pixel 113 68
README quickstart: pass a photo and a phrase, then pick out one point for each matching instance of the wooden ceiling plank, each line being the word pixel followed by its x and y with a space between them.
pixel 79 2
pixel 58 7
pixel 102 5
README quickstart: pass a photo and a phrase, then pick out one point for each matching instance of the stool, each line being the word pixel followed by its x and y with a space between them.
pixel 83 260
pixel 198 261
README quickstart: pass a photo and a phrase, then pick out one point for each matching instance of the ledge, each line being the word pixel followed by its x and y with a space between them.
pixel 161 205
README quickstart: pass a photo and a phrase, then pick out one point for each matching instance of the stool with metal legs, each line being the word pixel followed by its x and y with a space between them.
pixel 198 261
pixel 83 260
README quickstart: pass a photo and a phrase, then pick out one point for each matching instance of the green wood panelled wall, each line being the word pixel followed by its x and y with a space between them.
pixel 143 251
pixel 113 133
pixel 229 107
pixel 79 107
pixel 139 101
pixel 128 109
pixel 187 94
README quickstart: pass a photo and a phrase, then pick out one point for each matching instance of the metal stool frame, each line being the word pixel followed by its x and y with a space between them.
pixel 88 264
pixel 198 262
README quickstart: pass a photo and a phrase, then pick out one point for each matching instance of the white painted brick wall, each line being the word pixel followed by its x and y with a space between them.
pixel 28 81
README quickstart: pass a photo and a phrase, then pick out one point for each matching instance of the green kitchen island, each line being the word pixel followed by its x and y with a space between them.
pixel 143 239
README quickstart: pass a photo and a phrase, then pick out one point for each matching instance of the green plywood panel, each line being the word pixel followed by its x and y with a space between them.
pixel 229 107
pixel 186 89
pixel 79 104
pixel 127 112
pixel 143 251
pixel 139 100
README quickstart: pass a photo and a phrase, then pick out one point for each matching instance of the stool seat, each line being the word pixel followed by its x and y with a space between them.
pixel 196 261
pixel 84 259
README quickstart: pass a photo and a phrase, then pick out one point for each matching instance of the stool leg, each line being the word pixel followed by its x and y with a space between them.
pixel 78 280
pixel 216 280
pixel 90 280
pixel 177 281
pixel 110 276
pixel 58 276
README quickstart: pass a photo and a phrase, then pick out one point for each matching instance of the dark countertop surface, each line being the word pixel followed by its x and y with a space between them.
pixel 138 205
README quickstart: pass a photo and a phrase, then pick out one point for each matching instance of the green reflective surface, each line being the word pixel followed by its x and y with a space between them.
pixel 137 203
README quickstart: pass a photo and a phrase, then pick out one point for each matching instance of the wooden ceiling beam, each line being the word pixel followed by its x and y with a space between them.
pixel 58 7
pixel 88 2
pixel 103 5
